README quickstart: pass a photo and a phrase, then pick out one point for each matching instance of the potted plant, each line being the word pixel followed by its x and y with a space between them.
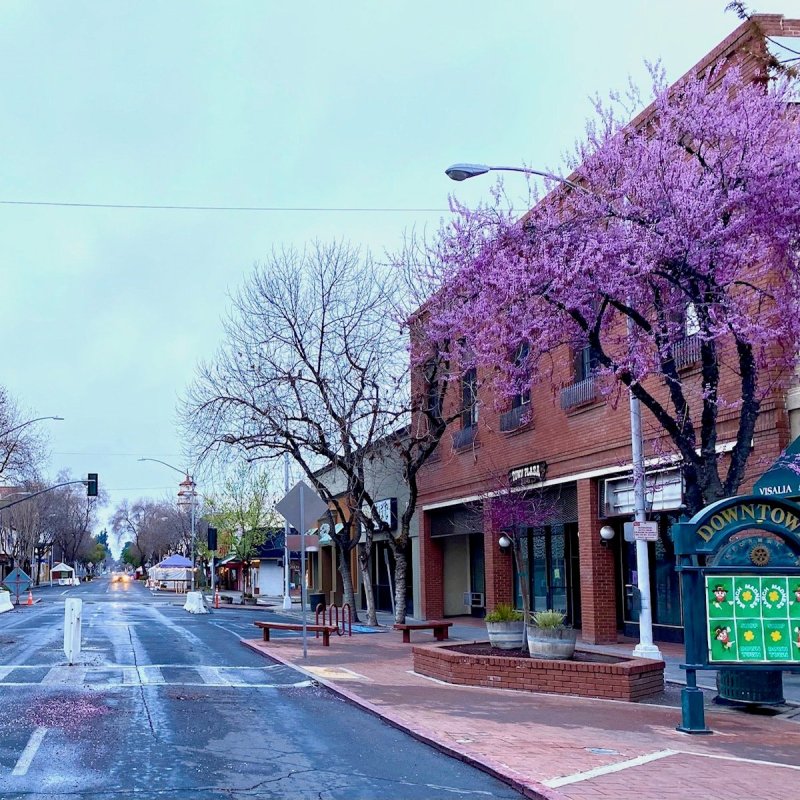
pixel 549 637
pixel 506 627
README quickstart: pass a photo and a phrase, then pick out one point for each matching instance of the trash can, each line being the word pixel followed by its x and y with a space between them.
pixel 750 686
pixel 315 599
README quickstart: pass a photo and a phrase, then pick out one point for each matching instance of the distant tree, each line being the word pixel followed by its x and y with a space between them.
pixel 148 530
pixel 242 511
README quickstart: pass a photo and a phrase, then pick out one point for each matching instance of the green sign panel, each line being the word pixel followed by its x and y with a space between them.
pixel 753 619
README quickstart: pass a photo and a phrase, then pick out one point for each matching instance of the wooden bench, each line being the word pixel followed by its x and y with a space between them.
pixel 325 630
pixel 439 628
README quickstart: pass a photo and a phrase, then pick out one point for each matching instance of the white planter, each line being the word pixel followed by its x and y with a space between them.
pixel 507 635
pixel 555 644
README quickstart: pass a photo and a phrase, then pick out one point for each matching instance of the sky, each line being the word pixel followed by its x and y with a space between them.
pixel 350 109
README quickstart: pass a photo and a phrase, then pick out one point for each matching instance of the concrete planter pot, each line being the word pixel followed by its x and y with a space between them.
pixel 507 635
pixel 555 644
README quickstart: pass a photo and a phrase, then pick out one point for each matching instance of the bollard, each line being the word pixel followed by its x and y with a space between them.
pixel 72 629
pixel 216 598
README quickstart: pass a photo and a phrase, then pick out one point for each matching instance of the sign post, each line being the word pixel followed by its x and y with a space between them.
pixel 739 565
pixel 298 505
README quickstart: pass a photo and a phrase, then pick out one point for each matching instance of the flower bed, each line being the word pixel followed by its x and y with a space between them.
pixel 587 675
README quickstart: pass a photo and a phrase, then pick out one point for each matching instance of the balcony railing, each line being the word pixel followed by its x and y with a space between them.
pixel 464 437
pixel 515 418
pixel 579 393
pixel 686 351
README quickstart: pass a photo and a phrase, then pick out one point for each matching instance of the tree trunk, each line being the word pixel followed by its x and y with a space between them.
pixel 366 581
pixel 400 575
pixel 347 581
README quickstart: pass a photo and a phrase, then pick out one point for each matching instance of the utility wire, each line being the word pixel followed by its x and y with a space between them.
pixel 275 209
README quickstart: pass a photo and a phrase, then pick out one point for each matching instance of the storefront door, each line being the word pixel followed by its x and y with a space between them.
pixel 551 553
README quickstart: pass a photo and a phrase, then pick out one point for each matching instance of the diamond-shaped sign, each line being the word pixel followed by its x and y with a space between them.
pixel 301 506
pixel 17 581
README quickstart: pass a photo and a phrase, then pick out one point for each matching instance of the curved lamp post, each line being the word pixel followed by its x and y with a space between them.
pixel 646 648
pixel 187 496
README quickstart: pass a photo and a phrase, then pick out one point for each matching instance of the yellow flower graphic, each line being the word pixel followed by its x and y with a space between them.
pixel 749 636
pixel 775 636
pixel 774 596
pixel 747 595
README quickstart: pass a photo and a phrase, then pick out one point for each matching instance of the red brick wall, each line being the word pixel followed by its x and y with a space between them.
pixel 598 584
pixel 431 572
pixel 499 565
pixel 632 679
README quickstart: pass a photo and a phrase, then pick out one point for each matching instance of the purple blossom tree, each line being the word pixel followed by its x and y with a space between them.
pixel 685 231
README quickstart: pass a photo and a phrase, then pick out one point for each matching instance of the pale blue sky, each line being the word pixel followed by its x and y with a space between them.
pixel 237 103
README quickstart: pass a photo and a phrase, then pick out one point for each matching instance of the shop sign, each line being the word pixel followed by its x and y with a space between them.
pixel 754 512
pixel 753 619
pixel 528 474
pixel 387 512
pixel 782 479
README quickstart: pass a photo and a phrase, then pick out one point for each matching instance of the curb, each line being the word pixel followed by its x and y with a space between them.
pixel 530 789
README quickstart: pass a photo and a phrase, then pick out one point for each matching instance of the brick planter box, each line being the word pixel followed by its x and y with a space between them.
pixel 610 677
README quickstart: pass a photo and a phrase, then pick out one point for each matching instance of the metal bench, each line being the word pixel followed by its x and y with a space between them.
pixel 439 628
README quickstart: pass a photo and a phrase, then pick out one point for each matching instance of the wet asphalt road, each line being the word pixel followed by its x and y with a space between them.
pixel 165 704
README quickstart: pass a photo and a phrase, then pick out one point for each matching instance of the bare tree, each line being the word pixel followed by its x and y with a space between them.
pixel 152 528
pixel 22 447
pixel 311 365
pixel 72 516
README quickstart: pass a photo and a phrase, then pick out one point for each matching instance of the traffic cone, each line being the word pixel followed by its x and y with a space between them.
pixel 30 598
pixel 216 598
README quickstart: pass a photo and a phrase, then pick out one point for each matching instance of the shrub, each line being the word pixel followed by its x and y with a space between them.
pixel 548 619
pixel 504 612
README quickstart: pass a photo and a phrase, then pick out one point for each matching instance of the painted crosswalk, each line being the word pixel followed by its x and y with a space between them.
pixel 111 676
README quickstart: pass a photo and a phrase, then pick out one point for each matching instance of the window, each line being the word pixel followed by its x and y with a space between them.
pixel 691 320
pixel 520 363
pixel 586 362
pixel 469 398
pixel 433 399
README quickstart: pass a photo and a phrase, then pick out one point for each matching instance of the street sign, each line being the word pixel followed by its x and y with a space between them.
pixel 645 531
pixel 301 506
pixel 17 582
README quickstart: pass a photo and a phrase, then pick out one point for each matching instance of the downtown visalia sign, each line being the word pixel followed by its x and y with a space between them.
pixel 782 479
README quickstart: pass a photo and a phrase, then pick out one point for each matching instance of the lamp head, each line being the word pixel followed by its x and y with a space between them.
pixel 504 542
pixel 607 534
pixel 460 172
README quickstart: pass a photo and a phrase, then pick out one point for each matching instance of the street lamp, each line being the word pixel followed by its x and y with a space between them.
pixel 186 497
pixel 646 648
pixel 29 422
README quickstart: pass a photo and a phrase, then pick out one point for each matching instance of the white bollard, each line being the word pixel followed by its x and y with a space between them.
pixel 194 603
pixel 5 602
pixel 72 629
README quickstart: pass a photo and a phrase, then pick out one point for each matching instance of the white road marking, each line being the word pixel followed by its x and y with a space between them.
pixel 65 675
pixel 554 783
pixel 150 675
pixel 212 676
pixel 739 759
pixel 24 762
pixel 4 671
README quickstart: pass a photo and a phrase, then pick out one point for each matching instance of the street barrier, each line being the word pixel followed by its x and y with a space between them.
pixel 5 602
pixel 195 603
pixel 72 629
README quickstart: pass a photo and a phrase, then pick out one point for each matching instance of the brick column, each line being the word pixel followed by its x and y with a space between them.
pixel 598 584
pixel 431 578
pixel 498 564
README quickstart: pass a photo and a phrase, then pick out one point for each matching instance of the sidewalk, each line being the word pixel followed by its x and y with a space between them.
pixel 551 746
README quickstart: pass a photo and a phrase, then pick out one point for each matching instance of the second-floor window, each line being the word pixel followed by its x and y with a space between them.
pixel 433 399
pixel 523 397
pixel 586 362
pixel 469 398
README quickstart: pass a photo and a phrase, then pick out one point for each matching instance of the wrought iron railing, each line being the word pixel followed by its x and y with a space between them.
pixel 464 437
pixel 579 393
pixel 515 418
pixel 686 351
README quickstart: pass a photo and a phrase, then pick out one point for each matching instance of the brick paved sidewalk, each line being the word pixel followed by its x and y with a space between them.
pixel 553 746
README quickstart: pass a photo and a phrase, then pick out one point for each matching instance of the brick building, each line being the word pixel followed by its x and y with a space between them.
pixel 571 445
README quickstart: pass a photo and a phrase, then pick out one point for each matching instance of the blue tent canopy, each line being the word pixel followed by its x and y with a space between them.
pixel 175 561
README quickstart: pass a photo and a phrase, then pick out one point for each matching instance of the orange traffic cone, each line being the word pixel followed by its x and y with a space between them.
pixel 30 598
pixel 216 598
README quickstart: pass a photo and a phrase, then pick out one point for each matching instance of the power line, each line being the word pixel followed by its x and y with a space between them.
pixel 275 209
